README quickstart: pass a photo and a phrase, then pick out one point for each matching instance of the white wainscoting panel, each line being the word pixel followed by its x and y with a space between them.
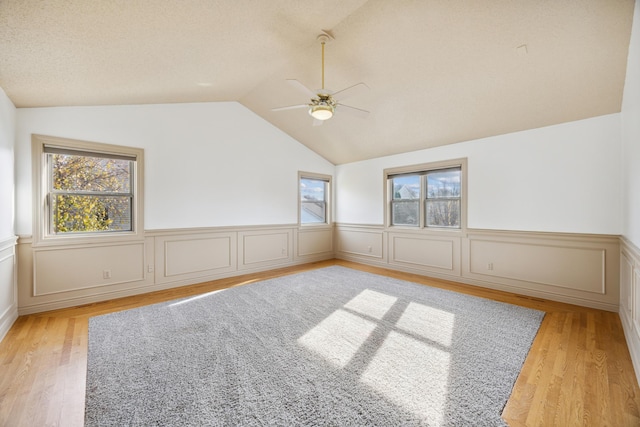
pixel 361 241
pixel 626 285
pixel 73 268
pixel 261 248
pixel 58 276
pixel 189 256
pixel 8 286
pixel 314 241
pixel 635 286
pixel 7 291
pixel 630 299
pixel 564 266
pixel 425 252
pixel 634 346
pixel 52 277
pixel 573 268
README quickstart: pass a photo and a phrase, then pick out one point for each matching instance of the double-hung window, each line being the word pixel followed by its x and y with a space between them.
pixel 405 201
pixel 429 196
pixel 86 189
pixel 314 198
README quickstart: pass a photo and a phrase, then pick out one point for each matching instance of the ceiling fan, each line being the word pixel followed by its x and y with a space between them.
pixel 325 103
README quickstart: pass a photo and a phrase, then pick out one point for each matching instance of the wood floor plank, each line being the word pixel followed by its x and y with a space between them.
pixel 578 371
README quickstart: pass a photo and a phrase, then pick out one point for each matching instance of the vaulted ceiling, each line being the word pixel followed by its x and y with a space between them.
pixel 438 71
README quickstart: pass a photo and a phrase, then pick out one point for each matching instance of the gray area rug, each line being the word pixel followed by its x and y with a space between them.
pixel 328 347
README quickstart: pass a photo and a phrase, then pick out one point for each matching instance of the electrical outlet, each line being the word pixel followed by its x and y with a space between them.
pixel 106 274
pixel 370 249
pixel 490 266
pixel 150 268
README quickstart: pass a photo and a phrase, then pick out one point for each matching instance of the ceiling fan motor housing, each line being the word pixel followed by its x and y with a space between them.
pixel 322 107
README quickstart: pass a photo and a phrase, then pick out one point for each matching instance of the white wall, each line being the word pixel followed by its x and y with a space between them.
pixel 563 178
pixel 7 130
pixel 206 164
pixel 631 136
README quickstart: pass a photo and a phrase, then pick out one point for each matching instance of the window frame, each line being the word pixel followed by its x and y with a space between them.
pixel 327 196
pixel 423 169
pixel 42 234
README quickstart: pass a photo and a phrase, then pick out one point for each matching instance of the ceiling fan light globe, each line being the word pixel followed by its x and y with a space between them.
pixel 321 112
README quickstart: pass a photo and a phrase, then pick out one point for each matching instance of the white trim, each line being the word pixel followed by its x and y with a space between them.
pixel 9 315
pixel 40 235
pixel 631 332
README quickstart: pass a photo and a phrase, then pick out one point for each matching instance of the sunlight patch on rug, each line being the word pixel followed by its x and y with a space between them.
pixel 408 370
pixel 428 322
pixel 338 337
pixel 371 303
pixel 412 374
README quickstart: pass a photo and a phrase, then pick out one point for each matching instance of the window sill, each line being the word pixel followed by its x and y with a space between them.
pixel 318 226
pixel 459 232
pixel 95 239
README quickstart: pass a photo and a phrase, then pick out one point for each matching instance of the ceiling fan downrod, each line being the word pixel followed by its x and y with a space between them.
pixel 323 40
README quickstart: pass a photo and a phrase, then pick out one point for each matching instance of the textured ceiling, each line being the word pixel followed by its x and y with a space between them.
pixel 439 71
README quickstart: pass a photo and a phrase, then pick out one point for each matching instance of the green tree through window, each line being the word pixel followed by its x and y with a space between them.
pixel 89 192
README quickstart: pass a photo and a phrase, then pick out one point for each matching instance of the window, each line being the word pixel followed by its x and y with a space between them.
pixel 405 204
pixel 442 200
pixel 427 196
pixel 314 198
pixel 86 189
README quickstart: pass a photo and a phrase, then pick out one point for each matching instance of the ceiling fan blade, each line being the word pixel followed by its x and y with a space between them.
pixel 299 86
pixel 317 122
pixel 350 91
pixel 359 112
pixel 290 107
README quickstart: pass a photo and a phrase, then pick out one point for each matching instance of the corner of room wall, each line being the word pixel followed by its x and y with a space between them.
pixel 8 283
pixel 631 136
pixel 630 242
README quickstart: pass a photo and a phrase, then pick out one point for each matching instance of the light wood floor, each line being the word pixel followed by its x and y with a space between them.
pixel 578 372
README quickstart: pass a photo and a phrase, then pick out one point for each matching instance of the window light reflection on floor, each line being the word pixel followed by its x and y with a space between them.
pixel 194 298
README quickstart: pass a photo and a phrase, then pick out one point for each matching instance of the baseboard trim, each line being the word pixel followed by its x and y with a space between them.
pixel 633 343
